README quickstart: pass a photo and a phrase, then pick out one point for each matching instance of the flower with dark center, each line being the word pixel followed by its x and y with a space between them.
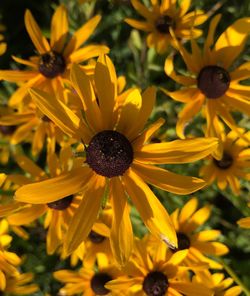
pixel 51 64
pixel 95 237
pixel 7 129
pixel 213 81
pixel 61 204
pixel 98 282
pixel 163 23
pixel 109 153
pixel 224 163
pixel 155 284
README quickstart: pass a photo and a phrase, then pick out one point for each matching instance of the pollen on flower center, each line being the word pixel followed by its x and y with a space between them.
pixel 7 129
pixel 213 81
pixel 163 23
pixel 98 282
pixel 51 64
pixel 155 284
pixel 225 162
pixel 109 153
pixel 95 237
pixel 61 204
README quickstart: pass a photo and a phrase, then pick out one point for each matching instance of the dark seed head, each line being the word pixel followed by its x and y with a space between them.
pixel 95 237
pixel 7 129
pixel 61 204
pixel 98 282
pixel 51 64
pixel 213 81
pixel 155 284
pixel 109 153
pixel 225 162
pixel 163 23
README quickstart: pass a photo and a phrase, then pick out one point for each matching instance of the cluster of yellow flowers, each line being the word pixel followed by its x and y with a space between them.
pixel 101 157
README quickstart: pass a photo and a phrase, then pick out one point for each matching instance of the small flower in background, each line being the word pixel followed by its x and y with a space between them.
pixel 50 68
pixel 161 18
pixel 117 157
pixel 234 163
pixel 212 81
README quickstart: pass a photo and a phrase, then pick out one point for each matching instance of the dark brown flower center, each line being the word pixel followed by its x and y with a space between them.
pixel 163 23
pixel 95 237
pixel 51 64
pixel 98 282
pixel 213 81
pixel 183 241
pixel 61 204
pixel 155 284
pixel 7 129
pixel 225 162
pixel 109 153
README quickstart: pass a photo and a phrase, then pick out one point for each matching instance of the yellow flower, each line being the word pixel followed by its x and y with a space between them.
pixel 20 284
pixel 217 283
pixel 49 70
pixel 198 243
pixel 88 280
pixel 234 163
pixel 3 45
pixel 212 82
pixel 155 274
pixel 160 18
pixel 118 158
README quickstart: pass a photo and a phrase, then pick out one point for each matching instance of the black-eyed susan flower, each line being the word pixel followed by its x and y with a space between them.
pixel 212 81
pixel 155 273
pixel 233 165
pixel 199 243
pixel 118 159
pixel 166 15
pixel 217 283
pixel 89 280
pixel 51 66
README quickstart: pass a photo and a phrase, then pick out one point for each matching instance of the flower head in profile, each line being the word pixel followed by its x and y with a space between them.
pixel 118 159
pixel 212 81
pixel 50 68
pixel 233 165
pixel 166 15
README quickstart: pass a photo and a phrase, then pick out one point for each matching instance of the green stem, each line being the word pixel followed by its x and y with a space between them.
pixel 235 277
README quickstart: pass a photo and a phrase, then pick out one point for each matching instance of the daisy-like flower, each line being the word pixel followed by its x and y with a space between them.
pixel 244 222
pixel 198 243
pixel 155 274
pixel 51 66
pixel 233 165
pixel 217 283
pixel 212 81
pixel 160 18
pixel 3 45
pixel 118 158
pixel 88 280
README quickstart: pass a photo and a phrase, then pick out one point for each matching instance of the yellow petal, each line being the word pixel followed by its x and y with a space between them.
pixel 27 215
pixel 188 209
pixel 55 188
pixel 153 214
pixel 59 28
pixel 144 26
pixel 178 151
pixel 17 75
pixel 86 214
pixel 121 237
pixel 29 166
pixel 143 10
pixel 244 222
pixel 88 52
pixel 183 95
pixel 35 33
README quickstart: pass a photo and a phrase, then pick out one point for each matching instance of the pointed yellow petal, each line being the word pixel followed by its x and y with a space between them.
pixel 88 52
pixel 144 26
pixel 16 75
pixel 55 188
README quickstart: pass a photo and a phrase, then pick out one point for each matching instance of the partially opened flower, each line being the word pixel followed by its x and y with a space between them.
pixel 51 66
pixel 233 165
pixel 166 15
pixel 199 243
pixel 212 81
pixel 118 159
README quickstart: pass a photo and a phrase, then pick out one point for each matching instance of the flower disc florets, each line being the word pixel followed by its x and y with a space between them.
pixel 109 153
pixel 225 162
pixel 51 64
pixel 213 81
pixel 155 284
pixel 61 204
pixel 98 282
pixel 163 23
pixel 95 237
